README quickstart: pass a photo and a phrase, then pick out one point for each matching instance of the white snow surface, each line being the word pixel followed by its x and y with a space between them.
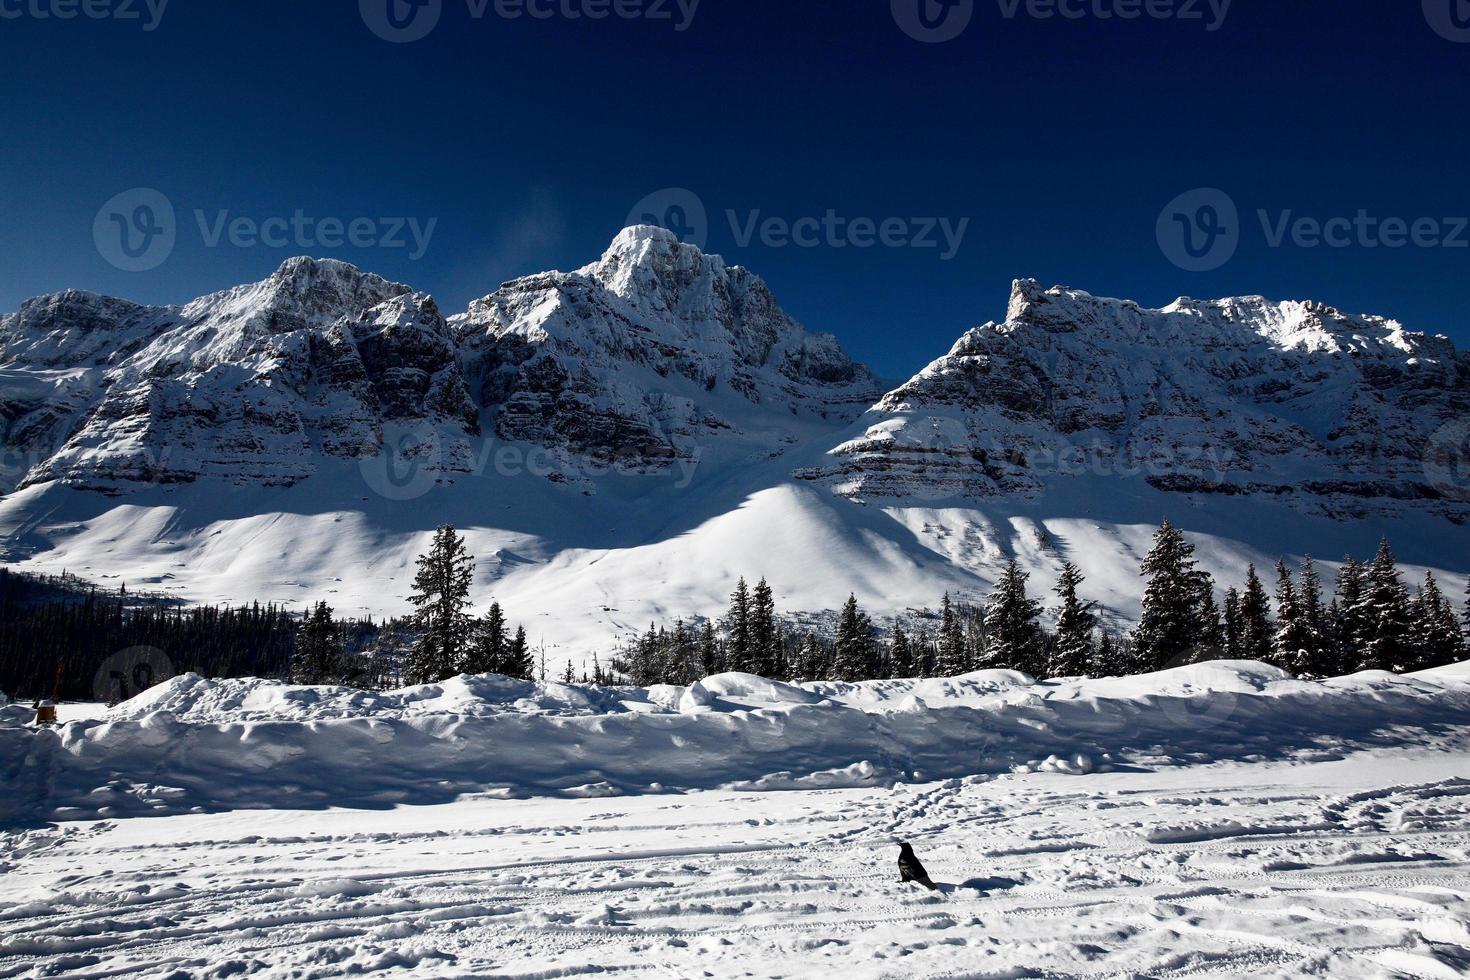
pixel 195 744
pixel 1215 821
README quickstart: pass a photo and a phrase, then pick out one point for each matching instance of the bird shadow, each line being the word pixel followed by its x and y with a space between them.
pixel 977 884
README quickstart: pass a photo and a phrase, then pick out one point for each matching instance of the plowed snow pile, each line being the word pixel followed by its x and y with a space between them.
pixel 194 744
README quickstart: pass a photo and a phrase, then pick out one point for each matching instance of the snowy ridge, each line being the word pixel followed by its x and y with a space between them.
pixel 1329 412
pixel 231 744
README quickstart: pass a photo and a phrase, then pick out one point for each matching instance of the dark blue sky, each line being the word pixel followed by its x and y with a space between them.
pixel 530 140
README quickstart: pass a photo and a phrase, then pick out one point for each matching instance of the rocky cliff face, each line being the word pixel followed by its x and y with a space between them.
pixel 651 354
pixel 1297 401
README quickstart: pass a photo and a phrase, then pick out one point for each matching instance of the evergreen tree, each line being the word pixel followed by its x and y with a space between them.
pixel 1071 651
pixel 765 640
pixel 901 659
pixel 709 650
pixel 1014 639
pixel 1350 625
pixel 1292 643
pixel 318 658
pixel 1386 616
pixel 1436 633
pixel 1211 628
pixel 519 663
pixel 852 651
pixel 952 659
pixel 1168 626
pixel 1256 634
pixel 1110 660
pixel 1231 627
pixel 811 661
pixel 737 628
pixel 568 676
pixel 489 645
pixel 441 593
pixel 1315 618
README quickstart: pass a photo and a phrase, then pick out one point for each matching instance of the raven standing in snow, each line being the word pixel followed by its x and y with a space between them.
pixel 909 868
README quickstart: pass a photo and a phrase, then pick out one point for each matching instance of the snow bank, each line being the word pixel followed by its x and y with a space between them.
pixel 194 743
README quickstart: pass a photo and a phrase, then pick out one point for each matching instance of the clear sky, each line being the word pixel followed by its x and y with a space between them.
pixel 527 141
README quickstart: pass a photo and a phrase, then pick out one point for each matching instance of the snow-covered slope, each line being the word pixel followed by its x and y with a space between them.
pixel 620 443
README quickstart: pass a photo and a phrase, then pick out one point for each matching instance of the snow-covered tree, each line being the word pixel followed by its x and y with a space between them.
pixel 1314 617
pixel 852 651
pixel 1211 628
pixel 765 639
pixel 441 590
pixel 1231 624
pixel 811 659
pixel 1168 625
pixel 737 630
pixel 489 644
pixel 318 658
pixel 1350 625
pixel 953 659
pixel 710 661
pixel 1436 632
pixel 1111 660
pixel 1014 640
pixel 1255 619
pixel 1071 649
pixel 901 659
pixel 1292 643
pixel 1386 615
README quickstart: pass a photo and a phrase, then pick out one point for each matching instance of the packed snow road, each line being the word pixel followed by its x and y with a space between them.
pixel 1357 867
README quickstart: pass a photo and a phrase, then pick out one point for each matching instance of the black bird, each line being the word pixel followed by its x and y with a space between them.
pixel 910 869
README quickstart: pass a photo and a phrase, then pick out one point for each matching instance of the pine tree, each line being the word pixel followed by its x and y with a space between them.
pixel 709 650
pixel 901 659
pixel 852 654
pixel 1292 643
pixel 1168 626
pixel 318 658
pixel 1211 629
pixel 489 646
pixel 518 662
pixel 811 662
pixel 1350 625
pixel 764 636
pixel 1256 633
pixel 441 593
pixel 1014 638
pixel 1385 610
pixel 1436 633
pixel 1231 627
pixel 568 676
pixel 1109 660
pixel 1071 651
pixel 1315 619
pixel 952 659
pixel 737 627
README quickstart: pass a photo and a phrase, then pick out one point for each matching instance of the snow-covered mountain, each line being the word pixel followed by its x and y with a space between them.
pixel 621 442
pixel 1240 397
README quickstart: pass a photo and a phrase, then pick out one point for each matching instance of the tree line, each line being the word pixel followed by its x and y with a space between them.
pixel 1371 622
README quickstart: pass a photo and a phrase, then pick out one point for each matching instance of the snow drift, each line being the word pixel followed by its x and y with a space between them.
pixel 195 744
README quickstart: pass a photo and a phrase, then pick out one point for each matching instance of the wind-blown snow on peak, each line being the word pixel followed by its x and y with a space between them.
pixel 1292 400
